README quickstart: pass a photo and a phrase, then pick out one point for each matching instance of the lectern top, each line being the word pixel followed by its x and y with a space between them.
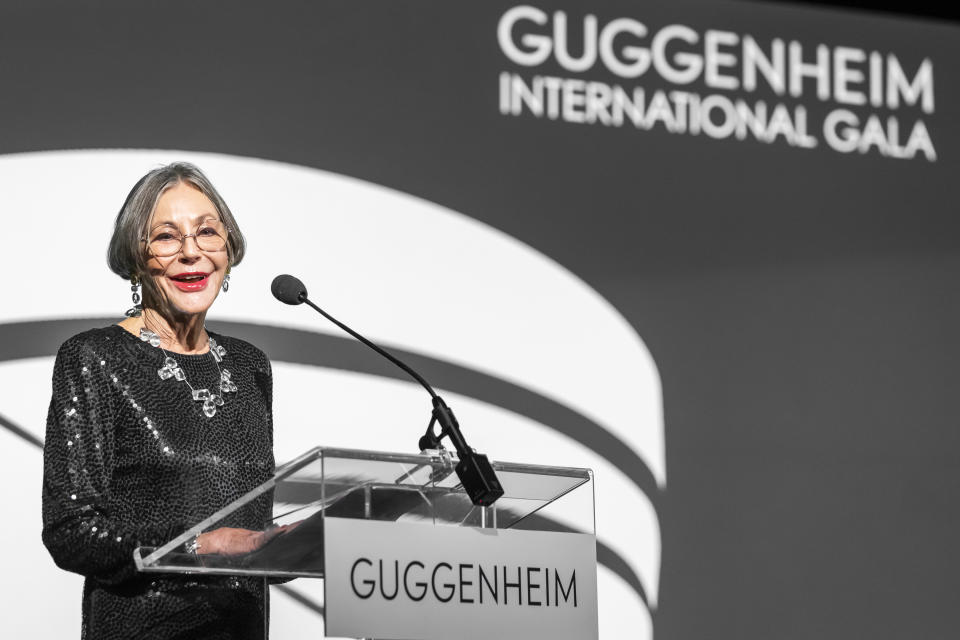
pixel 423 488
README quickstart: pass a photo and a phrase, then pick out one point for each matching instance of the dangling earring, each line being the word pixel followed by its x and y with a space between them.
pixel 137 308
pixel 226 282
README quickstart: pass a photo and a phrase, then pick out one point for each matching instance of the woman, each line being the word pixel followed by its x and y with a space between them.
pixel 156 423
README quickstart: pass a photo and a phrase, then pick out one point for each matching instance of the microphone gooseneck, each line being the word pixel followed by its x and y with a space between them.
pixel 476 473
pixel 386 354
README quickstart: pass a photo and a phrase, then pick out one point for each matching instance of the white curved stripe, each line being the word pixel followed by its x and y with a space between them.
pixel 625 519
pixel 27 599
pixel 315 405
pixel 620 611
pixel 405 271
pixel 290 620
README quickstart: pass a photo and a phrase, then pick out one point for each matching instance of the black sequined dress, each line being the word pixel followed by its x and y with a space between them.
pixel 131 460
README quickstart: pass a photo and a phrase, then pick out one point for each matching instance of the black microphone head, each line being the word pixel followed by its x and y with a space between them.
pixel 288 289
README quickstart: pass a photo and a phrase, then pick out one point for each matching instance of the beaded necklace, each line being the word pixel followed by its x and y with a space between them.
pixel 171 369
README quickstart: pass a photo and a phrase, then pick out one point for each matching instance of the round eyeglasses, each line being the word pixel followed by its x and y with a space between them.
pixel 165 240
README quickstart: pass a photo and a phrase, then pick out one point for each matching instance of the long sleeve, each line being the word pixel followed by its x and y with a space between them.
pixel 265 382
pixel 80 530
pixel 132 460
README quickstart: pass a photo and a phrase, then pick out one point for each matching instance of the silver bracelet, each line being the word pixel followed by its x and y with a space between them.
pixel 193 546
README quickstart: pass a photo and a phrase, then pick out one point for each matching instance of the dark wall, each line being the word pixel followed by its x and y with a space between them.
pixel 811 454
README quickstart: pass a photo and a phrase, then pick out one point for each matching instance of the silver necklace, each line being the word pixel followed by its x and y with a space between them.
pixel 171 369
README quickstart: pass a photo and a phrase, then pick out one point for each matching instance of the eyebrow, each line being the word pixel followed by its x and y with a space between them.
pixel 200 218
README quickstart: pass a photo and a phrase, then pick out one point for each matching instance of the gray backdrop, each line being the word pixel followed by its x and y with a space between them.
pixel 799 304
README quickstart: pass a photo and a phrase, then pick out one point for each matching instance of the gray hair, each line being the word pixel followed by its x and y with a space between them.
pixel 127 254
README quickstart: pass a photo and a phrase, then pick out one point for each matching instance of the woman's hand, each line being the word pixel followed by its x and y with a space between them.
pixel 229 541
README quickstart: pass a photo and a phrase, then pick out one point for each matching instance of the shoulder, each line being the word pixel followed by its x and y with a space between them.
pixel 89 352
pixel 241 349
pixel 92 341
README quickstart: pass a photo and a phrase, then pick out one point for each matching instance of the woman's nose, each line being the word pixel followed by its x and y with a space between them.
pixel 190 249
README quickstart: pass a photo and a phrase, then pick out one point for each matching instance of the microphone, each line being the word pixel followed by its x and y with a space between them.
pixel 476 473
pixel 288 290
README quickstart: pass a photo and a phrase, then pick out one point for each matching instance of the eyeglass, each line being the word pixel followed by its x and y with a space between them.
pixel 166 240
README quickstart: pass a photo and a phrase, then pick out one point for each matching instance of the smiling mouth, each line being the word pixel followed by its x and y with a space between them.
pixel 190 281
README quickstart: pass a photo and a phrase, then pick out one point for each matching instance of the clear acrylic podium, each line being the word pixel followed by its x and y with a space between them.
pixel 419 489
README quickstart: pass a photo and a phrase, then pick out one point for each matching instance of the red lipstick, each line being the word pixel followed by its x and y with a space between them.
pixel 190 280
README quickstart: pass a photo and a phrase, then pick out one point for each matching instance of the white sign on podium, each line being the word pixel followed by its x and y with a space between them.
pixel 397 581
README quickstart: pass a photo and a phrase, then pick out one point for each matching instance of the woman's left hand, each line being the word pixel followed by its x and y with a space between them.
pixel 230 541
